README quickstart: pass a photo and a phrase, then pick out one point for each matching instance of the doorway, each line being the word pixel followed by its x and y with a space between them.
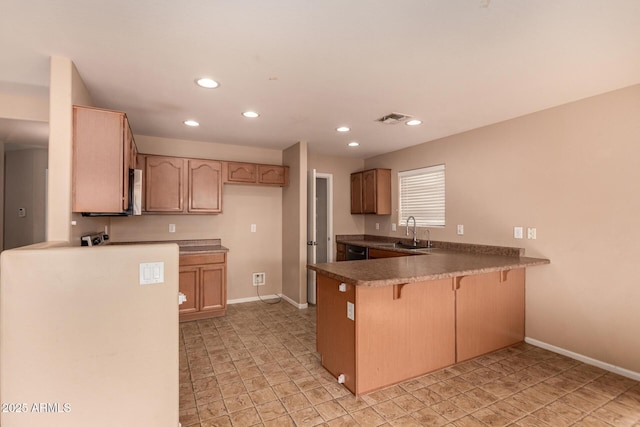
pixel 320 225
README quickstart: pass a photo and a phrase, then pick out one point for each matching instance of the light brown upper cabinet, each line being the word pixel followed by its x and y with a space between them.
pixel 257 174
pixel 371 192
pixel 205 186
pixel 179 185
pixel 103 153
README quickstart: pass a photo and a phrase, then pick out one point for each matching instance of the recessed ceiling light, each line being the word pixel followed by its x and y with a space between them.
pixel 191 123
pixel 343 129
pixel 353 144
pixel 207 83
pixel 250 114
pixel 413 122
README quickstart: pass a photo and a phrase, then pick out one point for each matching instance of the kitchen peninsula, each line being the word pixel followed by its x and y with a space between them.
pixel 382 321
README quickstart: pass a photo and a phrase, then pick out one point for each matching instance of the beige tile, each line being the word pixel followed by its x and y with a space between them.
pixel 330 410
pixel 271 410
pixel 262 396
pixel 344 421
pixel 448 410
pixel 367 417
pixel 247 417
pixel 306 417
pixel 261 360
pixel 590 421
pixel 283 421
pixel 317 395
pixel 295 402
pixel 389 410
pixel 212 410
pixel 352 403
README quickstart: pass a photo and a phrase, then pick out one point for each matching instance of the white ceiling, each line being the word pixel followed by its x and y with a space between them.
pixel 309 66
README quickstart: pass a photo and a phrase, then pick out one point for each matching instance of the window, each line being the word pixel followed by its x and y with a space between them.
pixel 422 196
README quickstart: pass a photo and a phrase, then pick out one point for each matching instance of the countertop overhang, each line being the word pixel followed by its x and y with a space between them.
pixel 439 264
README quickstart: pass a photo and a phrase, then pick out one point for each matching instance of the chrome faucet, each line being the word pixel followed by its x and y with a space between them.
pixel 415 239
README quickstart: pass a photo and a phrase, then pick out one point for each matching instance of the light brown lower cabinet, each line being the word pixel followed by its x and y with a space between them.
pixel 404 331
pixel 203 280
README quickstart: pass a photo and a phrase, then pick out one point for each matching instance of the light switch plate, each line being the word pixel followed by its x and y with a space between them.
pixel 151 273
pixel 531 233
pixel 517 232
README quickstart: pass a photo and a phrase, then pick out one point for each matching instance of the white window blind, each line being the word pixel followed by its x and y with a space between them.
pixel 422 196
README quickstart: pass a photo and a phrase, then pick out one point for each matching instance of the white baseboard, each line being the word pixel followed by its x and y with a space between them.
pixel 293 303
pixel 251 299
pixel 264 297
pixel 582 358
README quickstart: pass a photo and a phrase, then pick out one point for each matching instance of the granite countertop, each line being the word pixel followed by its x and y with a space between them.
pixel 188 247
pixel 429 264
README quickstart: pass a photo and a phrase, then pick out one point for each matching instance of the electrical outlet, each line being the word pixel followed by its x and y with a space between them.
pixel 393 227
pixel 517 232
pixel 172 228
pixel 377 226
pixel 259 279
pixel 460 229
pixel 253 228
pixel 531 233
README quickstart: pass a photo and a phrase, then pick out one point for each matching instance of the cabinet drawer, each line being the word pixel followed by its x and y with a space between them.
pixel 200 259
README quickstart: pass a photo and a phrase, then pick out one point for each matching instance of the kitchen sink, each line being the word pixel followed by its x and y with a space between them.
pixel 401 245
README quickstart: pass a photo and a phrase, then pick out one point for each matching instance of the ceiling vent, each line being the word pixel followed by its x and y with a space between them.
pixel 393 118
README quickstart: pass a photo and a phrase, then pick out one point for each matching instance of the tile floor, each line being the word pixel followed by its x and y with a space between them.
pixel 258 366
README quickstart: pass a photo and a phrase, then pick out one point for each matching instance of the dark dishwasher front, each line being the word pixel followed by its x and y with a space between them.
pixel 357 252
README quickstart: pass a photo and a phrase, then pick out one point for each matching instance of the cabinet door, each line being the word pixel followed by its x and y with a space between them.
pixel 341 252
pixel 188 285
pixel 356 193
pixel 489 312
pixel 272 175
pixel 205 186
pixel 164 184
pixel 213 289
pixel 98 160
pixel 369 191
pixel 241 172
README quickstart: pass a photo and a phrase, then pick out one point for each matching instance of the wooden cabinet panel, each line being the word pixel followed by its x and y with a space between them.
pixel 213 294
pixel 490 312
pixel 341 252
pixel 399 332
pixel 241 172
pixel 164 184
pixel 203 279
pixel 335 332
pixel 403 331
pixel 98 161
pixel 188 285
pixel 381 253
pixel 205 186
pixel 273 175
pixel 356 193
pixel 371 192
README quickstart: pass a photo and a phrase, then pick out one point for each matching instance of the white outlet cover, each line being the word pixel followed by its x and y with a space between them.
pixel 531 233
pixel 460 229
pixel 393 227
pixel 351 310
